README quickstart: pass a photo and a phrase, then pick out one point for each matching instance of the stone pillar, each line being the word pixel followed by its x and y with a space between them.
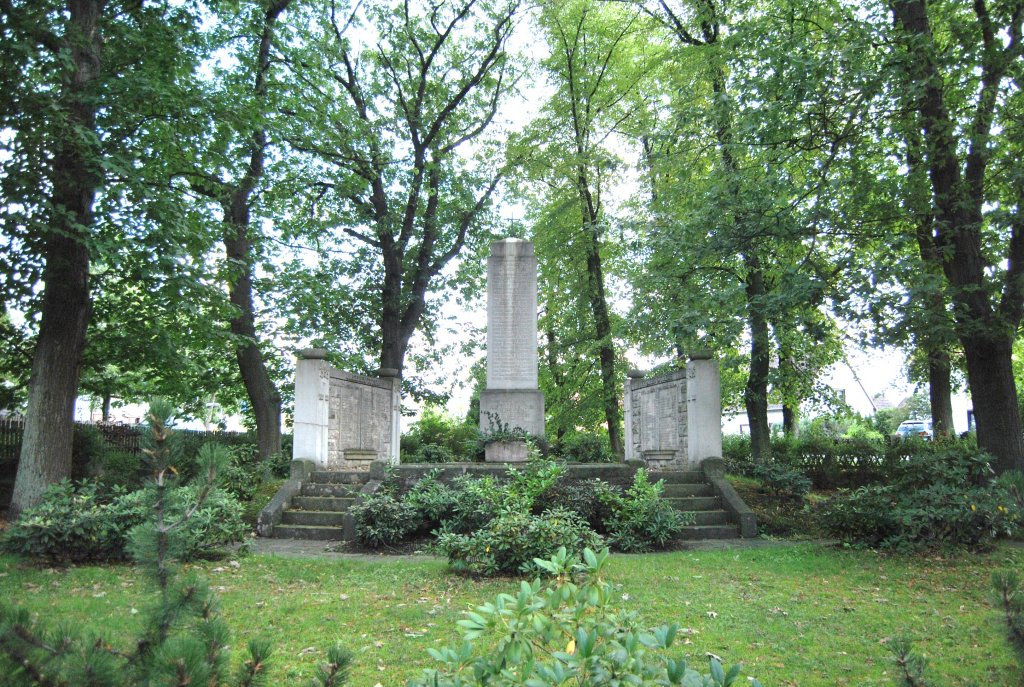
pixel 703 408
pixel 627 407
pixel 511 399
pixel 312 401
pixel 395 429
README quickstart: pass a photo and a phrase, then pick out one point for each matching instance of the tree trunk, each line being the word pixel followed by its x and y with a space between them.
pixel 392 349
pixel 790 416
pixel 990 377
pixel 49 424
pixel 603 331
pixel 755 394
pixel 940 392
pixel 263 394
pixel 106 407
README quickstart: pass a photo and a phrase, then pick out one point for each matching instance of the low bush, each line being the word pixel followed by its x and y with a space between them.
pixel 251 508
pixel 76 523
pixel 121 468
pixel 510 542
pixel 640 520
pixel 584 447
pixel 437 437
pixel 947 498
pixel 433 453
pixel 384 519
pixel 783 482
pixel 568 631
pixel 432 499
pixel 476 505
pixel 593 499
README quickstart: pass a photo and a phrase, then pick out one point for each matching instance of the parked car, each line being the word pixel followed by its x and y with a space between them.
pixel 922 429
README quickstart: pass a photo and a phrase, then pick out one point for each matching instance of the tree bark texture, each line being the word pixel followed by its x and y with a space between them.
pixel 755 394
pixel 49 425
pixel 986 328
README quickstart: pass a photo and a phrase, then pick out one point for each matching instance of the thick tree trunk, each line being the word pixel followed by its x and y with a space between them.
pixel 755 394
pixel 990 377
pixel 49 425
pixel 263 394
pixel 106 407
pixel 940 392
pixel 392 349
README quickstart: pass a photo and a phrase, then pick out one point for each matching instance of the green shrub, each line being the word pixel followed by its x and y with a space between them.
pixel 568 631
pixel 266 491
pixel 509 543
pixel 640 520
pixel 476 504
pixel 449 440
pixel 585 447
pixel 593 499
pixel 782 481
pixel 736 453
pixel 123 469
pixel 75 523
pixel 433 453
pixel 384 519
pixel 88 451
pixel 432 499
pixel 944 499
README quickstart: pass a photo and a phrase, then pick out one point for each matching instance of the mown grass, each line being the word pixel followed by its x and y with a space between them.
pixel 794 615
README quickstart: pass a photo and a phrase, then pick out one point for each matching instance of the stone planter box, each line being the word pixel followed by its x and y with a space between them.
pixel 506 452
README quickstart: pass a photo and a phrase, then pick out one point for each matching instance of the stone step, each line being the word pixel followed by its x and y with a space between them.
pixel 333 503
pixel 700 532
pixel 317 518
pixel 711 517
pixel 678 476
pixel 678 490
pixel 696 503
pixel 339 477
pixel 330 490
pixel 308 532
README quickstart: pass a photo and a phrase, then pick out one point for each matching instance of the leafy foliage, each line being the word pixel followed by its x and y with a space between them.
pixel 76 523
pixel 639 519
pixel 567 631
pixel 510 542
pixel 437 437
pixel 384 519
pixel 945 499
pixel 584 447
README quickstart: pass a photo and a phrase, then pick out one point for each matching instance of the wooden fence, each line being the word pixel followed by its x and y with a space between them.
pixel 118 436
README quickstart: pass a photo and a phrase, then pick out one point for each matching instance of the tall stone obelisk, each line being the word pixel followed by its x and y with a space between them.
pixel 511 399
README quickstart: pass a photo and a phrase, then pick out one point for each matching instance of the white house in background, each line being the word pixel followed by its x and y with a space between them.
pixel 734 420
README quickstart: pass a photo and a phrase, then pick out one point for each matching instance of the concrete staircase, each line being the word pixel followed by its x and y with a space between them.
pixel 691 492
pixel 315 504
pixel 319 509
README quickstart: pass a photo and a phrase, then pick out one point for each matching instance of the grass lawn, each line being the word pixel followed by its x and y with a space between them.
pixel 795 615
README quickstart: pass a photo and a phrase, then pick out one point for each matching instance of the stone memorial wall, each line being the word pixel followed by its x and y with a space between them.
pixel 675 420
pixel 344 421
